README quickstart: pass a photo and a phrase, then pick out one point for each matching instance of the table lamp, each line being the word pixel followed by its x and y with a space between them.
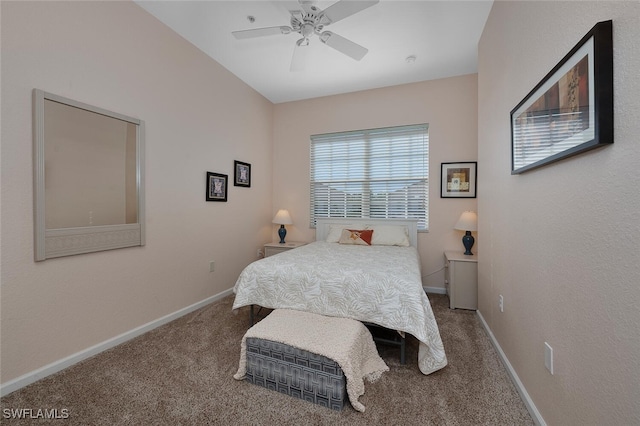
pixel 282 218
pixel 468 222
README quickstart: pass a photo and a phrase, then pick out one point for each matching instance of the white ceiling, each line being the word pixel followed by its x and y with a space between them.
pixel 443 35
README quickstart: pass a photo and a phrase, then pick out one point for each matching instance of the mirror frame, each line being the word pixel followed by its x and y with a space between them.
pixel 50 243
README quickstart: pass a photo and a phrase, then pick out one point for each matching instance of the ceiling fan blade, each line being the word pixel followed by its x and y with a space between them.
pixel 261 32
pixel 344 8
pixel 299 59
pixel 343 45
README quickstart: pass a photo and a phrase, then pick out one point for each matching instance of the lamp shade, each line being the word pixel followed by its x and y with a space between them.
pixel 282 217
pixel 468 222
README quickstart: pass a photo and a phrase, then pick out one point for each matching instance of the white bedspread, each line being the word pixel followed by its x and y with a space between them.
pixel 377 284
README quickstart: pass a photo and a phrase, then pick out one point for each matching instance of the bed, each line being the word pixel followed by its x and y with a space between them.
pixel 378 284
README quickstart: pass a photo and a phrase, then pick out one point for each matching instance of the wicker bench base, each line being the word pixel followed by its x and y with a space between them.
pixel 295 372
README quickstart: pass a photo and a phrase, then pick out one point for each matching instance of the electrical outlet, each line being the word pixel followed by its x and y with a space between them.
pixel 548 357
pixel 501 303
pixel 212 266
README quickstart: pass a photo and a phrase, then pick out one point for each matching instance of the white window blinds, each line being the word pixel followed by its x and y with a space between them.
pixel 379 173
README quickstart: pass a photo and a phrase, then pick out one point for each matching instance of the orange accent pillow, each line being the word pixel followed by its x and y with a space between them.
pixel 356 237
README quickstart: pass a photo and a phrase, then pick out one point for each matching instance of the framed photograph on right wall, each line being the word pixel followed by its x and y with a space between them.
pixel 458 180
pixel 571 110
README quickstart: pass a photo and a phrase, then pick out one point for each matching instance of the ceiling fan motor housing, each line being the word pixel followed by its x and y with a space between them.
pixel 306 24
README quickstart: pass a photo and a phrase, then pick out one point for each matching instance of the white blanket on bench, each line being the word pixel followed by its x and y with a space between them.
pixel 346 341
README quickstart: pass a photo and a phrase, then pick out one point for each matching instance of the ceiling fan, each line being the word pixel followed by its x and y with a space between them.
pixel 312 20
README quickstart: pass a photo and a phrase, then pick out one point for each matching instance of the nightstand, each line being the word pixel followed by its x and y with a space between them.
pixel 274 248
pixel 461 279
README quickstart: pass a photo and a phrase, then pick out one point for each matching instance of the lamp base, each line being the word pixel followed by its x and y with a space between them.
pixel 468 241
pixel 282 232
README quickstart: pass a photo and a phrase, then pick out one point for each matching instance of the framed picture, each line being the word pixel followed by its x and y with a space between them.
pixel 216 187
pixel 241 174
pixel 571 109
pixel 458 180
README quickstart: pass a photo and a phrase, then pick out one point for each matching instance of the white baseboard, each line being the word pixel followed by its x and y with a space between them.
pixel 54 367
pixel 436 290
pixel 528 402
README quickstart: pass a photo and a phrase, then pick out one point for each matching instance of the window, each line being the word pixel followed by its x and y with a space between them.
pixel 379 173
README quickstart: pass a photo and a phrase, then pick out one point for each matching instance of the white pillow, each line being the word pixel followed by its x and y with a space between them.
pixel 335 231
pixel 390 235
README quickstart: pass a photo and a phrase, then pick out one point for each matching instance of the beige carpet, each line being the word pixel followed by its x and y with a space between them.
pixel 182 374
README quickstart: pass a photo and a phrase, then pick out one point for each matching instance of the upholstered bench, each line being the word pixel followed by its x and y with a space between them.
pixel 312 357
pixel 295 372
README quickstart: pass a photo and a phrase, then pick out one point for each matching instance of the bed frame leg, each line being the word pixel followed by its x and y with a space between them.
pixel 251 316
pixel 403 346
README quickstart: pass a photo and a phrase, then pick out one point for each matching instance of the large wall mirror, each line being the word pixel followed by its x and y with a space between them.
pixel 88 178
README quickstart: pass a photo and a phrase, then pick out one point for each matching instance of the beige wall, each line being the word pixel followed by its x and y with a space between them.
pixel 448 105
pixel 560 243
pixel 198 118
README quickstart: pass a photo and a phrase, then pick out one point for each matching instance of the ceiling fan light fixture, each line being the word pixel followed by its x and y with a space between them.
pixel 307 30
